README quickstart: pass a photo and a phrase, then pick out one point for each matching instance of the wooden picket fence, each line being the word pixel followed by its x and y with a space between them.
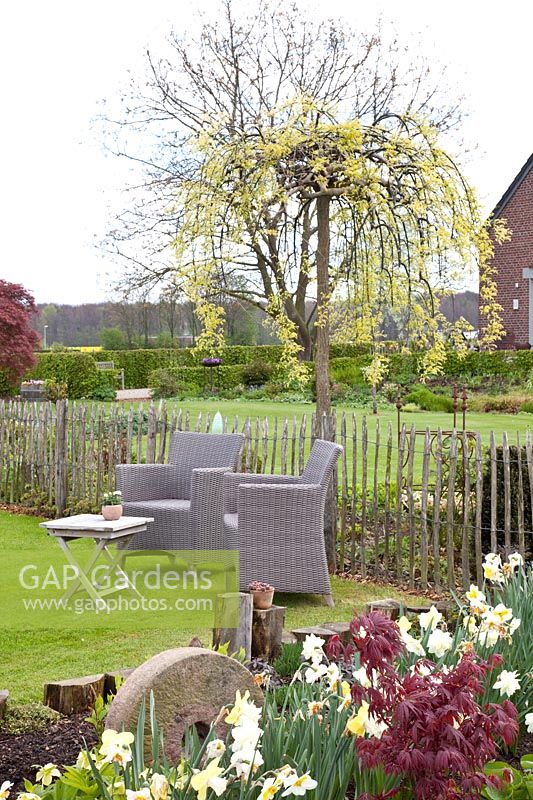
pixel 418 506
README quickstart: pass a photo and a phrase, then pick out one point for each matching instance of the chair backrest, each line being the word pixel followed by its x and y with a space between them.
pixel 321 463
pixel 190 451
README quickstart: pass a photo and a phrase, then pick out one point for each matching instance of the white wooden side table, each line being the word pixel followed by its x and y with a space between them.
pixel 105 534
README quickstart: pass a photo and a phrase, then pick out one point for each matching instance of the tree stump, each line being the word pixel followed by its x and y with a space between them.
pixel 110 685
pixel 74 695
pixel 322 632
pixel 389 607
pixel 342 629
pixel 232 607
pixel 190 685
pixel 4 695
pixel 267 632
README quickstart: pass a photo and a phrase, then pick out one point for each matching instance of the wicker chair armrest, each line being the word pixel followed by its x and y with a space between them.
pixel 207 508
pixel 147 481
pixel 233 480
pixel 275 512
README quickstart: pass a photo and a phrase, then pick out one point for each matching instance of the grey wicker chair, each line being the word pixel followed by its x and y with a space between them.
pixel 184 496
pixel 277 524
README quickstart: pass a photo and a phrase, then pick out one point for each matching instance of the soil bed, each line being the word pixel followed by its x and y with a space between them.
pixel 60 744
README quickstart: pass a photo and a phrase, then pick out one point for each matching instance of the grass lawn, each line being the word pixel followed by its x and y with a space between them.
pixel 31 657
pixel 476 421
pixel 272 411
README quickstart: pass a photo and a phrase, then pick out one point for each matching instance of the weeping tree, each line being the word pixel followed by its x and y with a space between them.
pixel 292 161
pixel 380 210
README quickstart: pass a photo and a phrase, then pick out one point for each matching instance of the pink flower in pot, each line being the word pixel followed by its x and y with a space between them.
pixel 112 506
pixel 262 593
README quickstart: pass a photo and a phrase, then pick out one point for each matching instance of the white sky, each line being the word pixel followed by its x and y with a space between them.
pixel 59 58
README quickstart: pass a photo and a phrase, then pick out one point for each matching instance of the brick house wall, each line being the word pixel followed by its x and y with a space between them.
pixel 513 257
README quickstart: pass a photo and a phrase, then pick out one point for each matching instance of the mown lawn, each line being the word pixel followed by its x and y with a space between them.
pixel 31 657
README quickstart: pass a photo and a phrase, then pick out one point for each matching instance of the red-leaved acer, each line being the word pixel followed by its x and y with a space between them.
pixel 17 339
pixel 438 738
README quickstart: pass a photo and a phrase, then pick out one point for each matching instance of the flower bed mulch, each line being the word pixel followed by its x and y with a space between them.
pixel 59 743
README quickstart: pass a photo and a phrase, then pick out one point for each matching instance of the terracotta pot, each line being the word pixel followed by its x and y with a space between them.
pixel 111 513
pixel 263 600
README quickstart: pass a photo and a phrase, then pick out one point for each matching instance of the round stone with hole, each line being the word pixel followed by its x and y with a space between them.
pixel 190 686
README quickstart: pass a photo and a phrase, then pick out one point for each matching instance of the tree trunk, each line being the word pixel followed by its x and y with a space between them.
pixel 323 395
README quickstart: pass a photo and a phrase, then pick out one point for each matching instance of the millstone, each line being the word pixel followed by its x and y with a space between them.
pixel 190 686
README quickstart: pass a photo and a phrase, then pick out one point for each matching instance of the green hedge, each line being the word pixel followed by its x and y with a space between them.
pixel 77 370
pixel 6 389
pixel 191 379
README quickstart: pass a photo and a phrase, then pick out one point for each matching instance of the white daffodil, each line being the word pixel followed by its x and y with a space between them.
pixel 215 748
pixel 27 795
pixel 209 778
pixel 47 773
pixel 298 786
pixel 515 561
pixel 159 786
pixel 138 794
pixel 474 595
pixel 488 636
pixel 270 788
pixel 314 707
pixel 246 762
pixel 412 645
pixel 420 669
pixel 529 722
pixel 493 558
pixel 507 683
pixel 439 642
pixel 245 736
pixel 492 572
pixel 116 746
pixel 312 648
pixel 514 625
pixel 503 613
pixel 333 675
pixel 430 619
pixel 4 789
pixel 313 673
pixel 375 728
pixel 361 677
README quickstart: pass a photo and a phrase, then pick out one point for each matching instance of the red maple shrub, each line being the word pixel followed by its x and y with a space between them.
pixel 437 737
pixel 17 339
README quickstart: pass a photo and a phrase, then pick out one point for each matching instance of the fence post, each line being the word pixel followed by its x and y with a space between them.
pixel 60 457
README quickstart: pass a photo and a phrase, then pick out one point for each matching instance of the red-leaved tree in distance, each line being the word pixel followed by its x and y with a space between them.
pixel 17 339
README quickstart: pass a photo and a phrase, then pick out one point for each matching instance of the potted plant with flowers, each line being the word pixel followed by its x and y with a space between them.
pixel 112 506
pixel 262 593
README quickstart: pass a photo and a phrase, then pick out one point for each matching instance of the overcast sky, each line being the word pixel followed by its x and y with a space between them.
pixel 59 59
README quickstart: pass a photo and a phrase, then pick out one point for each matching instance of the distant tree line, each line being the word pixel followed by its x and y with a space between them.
pixel 169 322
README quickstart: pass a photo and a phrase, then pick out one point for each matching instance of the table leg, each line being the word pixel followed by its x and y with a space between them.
pixel 82 579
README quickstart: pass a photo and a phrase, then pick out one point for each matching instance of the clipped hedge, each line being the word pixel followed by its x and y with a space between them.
pixel 346 363
pixel 192 379
pixel 6 388
pixel 77 370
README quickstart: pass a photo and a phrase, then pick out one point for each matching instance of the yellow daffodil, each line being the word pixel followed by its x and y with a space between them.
pixel 243 707
pixel 356 724
pixel 346 696
pixel 209 778
pixel 404 624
